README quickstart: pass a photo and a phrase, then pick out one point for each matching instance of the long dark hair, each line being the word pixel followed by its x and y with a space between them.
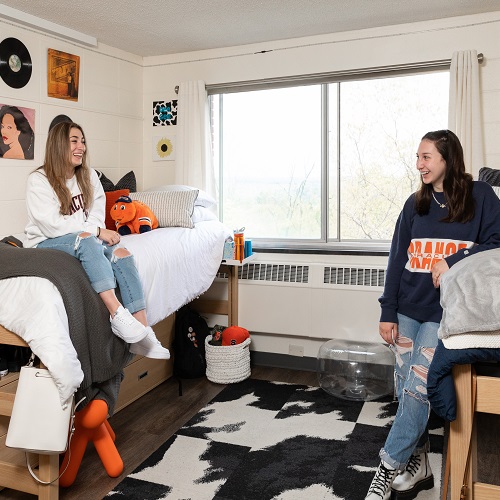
pixel 27 136
pixel 457 183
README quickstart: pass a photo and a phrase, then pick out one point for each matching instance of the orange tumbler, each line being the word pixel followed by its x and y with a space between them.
pixel 239 245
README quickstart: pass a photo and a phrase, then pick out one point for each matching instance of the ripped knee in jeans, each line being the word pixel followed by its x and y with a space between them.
pixel 420 372
pixel 82 236
pixel 120 253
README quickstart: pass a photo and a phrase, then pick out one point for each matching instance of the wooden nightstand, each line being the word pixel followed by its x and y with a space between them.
pixel 227 307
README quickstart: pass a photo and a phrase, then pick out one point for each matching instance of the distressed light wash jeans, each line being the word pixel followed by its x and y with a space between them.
pixel 414 351
pixel 103 267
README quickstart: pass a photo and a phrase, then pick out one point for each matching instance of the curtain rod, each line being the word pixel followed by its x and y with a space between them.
pixel 346 75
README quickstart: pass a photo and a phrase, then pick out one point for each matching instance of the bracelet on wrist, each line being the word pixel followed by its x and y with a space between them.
pixel 98 232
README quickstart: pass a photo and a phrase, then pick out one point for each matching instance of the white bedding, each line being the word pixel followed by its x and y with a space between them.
pixel 33 308
pixel 175 266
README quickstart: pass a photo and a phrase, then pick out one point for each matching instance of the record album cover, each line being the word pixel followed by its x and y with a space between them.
pixel 63 76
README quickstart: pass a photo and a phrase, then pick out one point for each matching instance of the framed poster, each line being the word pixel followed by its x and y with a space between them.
pixel 17 139
pixel 164 147
pixel 63 75
pixel 164 113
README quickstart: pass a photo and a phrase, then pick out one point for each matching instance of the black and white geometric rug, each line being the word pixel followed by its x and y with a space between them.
pixel 261 440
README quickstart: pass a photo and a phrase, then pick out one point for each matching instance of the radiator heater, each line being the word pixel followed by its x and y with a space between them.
pixel 314 301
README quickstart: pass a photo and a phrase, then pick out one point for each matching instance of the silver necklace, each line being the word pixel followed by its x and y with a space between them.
pixel 442 205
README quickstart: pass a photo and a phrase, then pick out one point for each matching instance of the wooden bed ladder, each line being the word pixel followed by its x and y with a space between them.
pixel 487 401
pixel 13 471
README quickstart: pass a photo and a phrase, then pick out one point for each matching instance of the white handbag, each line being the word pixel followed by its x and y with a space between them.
pixel 39 423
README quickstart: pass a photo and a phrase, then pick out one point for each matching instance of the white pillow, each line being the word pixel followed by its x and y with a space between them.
pixel 201 214
pixel 203 199
pixel 172 208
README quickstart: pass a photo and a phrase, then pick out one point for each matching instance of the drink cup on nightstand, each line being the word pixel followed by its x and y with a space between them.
pixel 239 244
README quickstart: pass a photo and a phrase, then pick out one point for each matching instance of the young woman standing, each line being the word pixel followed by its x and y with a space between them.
pixel 448 219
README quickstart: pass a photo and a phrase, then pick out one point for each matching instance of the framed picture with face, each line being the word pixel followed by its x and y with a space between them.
pixel 17 126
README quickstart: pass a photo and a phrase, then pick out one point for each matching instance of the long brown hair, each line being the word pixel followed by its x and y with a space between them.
pixel 57 158
pixel 457 183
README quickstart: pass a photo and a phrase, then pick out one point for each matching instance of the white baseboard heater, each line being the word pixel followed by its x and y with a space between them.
pixel 310 300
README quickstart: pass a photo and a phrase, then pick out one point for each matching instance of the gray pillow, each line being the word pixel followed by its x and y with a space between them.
pixel 172 208
pixel 490 175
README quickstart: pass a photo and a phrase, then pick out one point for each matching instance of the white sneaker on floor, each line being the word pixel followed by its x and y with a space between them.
pixel 150 347
pixel 125 326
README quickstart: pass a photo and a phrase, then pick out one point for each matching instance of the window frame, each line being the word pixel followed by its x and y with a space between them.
pixel 322 245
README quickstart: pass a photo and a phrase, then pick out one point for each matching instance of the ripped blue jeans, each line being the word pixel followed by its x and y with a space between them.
pixel 103 267
pixel 414 351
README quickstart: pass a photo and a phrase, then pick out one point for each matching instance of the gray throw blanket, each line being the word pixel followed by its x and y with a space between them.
pixel 102 354
pixel 471 302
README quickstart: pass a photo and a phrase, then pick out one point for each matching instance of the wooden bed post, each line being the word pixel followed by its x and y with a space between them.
pixel 460 430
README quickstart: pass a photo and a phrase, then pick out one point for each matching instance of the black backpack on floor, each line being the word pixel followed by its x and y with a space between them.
pixel 191 330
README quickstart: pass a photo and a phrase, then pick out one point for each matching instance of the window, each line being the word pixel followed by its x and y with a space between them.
pixel 327 164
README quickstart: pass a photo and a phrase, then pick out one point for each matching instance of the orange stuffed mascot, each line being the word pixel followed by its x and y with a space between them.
pixel 132 216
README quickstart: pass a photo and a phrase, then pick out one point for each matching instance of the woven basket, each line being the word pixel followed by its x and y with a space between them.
pixel 227 364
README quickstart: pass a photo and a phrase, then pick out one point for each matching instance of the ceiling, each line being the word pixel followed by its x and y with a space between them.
pixel 160 27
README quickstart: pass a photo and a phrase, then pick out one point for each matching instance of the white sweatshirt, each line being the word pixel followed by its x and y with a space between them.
pixel 45 220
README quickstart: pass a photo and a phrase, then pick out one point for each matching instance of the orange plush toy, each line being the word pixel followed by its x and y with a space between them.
pixel 132 216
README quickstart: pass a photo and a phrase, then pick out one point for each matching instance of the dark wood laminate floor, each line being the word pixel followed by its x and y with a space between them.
pixel 147 423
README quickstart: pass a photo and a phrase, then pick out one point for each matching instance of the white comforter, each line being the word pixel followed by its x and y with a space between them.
pixel 175 266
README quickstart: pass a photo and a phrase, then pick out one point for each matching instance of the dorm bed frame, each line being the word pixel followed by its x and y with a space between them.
pixel 487 400
pixel 141 375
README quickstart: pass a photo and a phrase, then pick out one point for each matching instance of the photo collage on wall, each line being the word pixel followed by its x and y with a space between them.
pixel 164 115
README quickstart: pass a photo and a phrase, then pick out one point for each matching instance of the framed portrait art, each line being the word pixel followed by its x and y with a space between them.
pixel 17 140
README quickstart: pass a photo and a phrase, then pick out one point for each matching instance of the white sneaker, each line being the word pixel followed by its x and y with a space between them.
pixel 380 489
pixel 125 326
pixel 416 477
pixel 150 347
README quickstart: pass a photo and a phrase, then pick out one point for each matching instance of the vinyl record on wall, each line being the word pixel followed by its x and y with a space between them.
pixel 15 63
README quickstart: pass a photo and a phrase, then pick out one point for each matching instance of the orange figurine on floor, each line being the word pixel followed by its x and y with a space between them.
pixel 91 424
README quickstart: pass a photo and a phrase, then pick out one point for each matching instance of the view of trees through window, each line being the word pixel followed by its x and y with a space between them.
pixel 324 163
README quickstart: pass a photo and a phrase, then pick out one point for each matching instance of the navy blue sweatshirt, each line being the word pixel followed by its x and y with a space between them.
pixel 420 241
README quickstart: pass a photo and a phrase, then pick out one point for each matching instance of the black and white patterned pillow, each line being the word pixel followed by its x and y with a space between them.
pixel 128 181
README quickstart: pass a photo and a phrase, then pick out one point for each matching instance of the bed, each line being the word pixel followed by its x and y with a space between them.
pixel 175 264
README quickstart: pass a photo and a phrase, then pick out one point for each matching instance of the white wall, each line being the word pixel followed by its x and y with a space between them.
pixel 109 108
pixel 409 43
pixel 117 90
pixel 402 44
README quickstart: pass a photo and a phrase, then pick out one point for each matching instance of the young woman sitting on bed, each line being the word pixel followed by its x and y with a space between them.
pixel 66 211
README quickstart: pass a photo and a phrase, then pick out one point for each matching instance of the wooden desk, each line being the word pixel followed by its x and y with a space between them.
pixel 227 307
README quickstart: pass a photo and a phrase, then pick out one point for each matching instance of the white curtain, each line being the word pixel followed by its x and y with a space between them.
pixel 464 112
pixel 194 163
